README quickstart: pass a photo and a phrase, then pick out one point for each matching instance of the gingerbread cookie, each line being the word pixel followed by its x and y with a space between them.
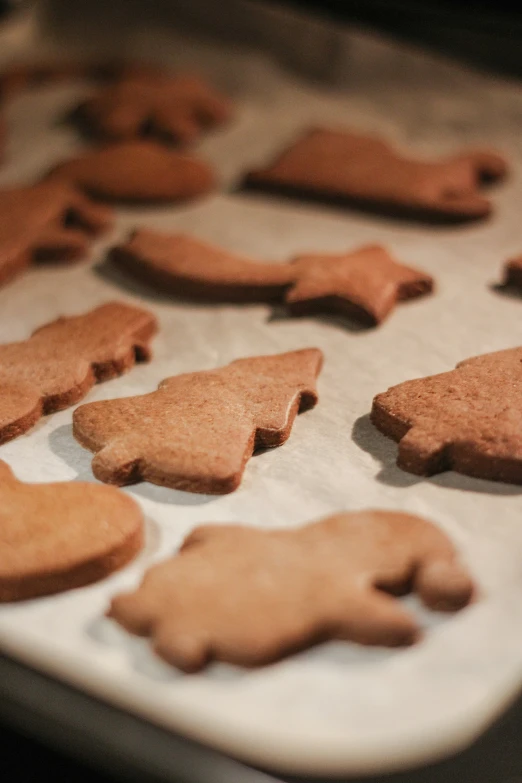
pixel 468 420
pixel 49 221
pixel 198 430
pixel 62 360
pixel 364 284
pixel 137 171
pixel 142 104
pixel 250 596
pixel 62 535
pixel 189 267
pixel 513 272
pixel 367 172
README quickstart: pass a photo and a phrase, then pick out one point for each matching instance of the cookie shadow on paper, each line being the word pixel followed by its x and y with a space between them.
pixel 383 449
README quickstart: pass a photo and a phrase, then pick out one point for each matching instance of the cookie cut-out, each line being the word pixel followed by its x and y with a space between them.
pixel 468 420
pixel 62 360
pixel 198 430
pixel 364 284
pixel 59 536
pixel 367 172
pixel 137 171
pixel 141 104
pixel 51 221
pixel 249 596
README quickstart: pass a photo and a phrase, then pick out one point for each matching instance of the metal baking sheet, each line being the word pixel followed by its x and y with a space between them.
pixel 339 708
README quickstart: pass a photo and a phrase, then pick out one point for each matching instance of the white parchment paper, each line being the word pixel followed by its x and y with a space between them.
pixel 338 708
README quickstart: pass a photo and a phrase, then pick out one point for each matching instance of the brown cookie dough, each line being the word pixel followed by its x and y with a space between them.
pixel 367 172
pixel 51 221
pixel 153 104
pixel 198 430
pixel 62 535
pixel 137 171
pixel 468 420
pixel 251 596
pixel 364 284
pixel 62 360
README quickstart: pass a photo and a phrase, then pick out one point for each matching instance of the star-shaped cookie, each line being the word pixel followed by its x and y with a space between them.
pixel 364 284
pixel 251 596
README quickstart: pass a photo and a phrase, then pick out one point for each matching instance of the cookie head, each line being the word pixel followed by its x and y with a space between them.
pixel 334 579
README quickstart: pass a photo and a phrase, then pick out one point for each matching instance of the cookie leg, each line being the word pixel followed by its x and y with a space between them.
pixel 443 584
pixel 117 464
pixel 92 218
pixel 423 452
pixel 62 244
pixel 376 618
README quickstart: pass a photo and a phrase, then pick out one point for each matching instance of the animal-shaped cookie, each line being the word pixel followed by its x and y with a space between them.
pixel 198 430
pixel 58 536
pixel 137 171
pixel 364 284
pixel 141 104
pixel 251 596
pixel 49 221
pixel 62 360
pixel 468 420
pixel 367 172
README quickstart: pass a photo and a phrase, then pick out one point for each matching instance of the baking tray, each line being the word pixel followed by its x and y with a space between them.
pixel 338 709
